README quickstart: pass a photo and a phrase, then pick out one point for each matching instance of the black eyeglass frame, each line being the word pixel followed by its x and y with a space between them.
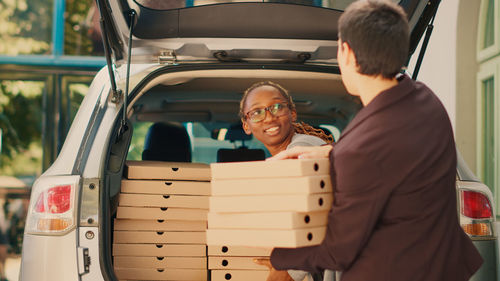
pixel 267 109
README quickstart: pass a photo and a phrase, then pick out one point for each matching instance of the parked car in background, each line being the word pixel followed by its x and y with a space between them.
pixel 189 66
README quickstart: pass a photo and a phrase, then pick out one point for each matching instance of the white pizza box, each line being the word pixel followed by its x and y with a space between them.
pixel 259 186
pixel 159 170
pixel 238 251
pixel 270 169
pixel 157 237
pixel 162 213
pixel 155 200
pixel 266 238
pixel 159 250
pixel 271 203
pixel 165 187
pixel 234 263
pixel 160 262
pixel 271 220
pixel 161 274
pixel 159 225
pixel 239 275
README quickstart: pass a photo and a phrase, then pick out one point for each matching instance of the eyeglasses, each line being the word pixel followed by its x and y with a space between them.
pixel 259 114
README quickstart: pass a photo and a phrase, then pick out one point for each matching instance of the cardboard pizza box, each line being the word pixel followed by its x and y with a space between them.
pixel 270 169
pixel 159 170
pixel 271 220
pixel 165 187
pixel 259 186
pixel 234 263
pixel 239 275
pixel 266 238
pixel 238 251
pixel 271 203
pixel 155 200
pixel 161 274
pixel 159 225
pixel 160 262
pixel 159 250
pixel 161 213
pixel 158 237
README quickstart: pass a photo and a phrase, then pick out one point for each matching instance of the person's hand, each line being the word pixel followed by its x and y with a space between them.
pixel 274 275
pixel 303 152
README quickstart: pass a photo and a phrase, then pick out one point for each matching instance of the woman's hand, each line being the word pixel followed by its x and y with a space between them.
pixel 303 152
pixel 274 275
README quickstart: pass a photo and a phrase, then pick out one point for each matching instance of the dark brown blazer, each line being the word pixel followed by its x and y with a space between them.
pixel 394 216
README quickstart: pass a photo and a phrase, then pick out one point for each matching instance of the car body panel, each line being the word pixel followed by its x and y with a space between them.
pixel 50 258
pixel 488 271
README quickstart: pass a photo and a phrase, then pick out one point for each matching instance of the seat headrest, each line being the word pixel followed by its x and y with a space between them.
pixel 240 154
pixel 167 142
pixel 235 132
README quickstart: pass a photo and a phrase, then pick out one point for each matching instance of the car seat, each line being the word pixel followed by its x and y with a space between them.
pixel 242 153
pixel 167 142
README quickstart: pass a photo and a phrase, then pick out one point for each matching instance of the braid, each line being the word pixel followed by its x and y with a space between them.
pixel 303 128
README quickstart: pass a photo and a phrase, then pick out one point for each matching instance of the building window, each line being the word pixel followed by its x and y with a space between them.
pixel 487 43
pixel 488 128
pixel 82 32
pixel 21 127
pixel 489 26
pixel 26 27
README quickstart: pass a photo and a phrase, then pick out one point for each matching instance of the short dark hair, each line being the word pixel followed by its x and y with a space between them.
pixel 378 33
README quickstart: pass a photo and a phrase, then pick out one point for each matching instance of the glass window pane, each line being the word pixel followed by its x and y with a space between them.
pixel 26 27
pixel 77 92
pixel 137 142
pixel 489 28
pixel 20 124
pixel 82 32
pixel 488 133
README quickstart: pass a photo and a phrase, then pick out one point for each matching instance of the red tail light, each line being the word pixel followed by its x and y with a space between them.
pixel 52 205
pixel 476 205
pixel 55 200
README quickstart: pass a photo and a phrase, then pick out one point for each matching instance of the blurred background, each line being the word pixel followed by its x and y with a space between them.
pixel 49 52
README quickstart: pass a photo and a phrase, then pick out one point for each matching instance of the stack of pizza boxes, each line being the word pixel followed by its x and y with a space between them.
pixel 160 229
pixel 256 206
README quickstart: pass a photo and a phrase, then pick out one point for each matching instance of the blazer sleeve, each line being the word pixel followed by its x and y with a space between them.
pixel 359 200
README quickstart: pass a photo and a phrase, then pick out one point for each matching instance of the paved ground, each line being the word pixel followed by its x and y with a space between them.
pixel 12 266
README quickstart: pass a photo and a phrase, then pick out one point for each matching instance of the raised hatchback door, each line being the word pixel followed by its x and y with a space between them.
pixel 194 31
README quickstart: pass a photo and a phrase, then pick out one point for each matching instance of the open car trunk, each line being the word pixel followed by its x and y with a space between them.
pixel 205 57
pixel 203 100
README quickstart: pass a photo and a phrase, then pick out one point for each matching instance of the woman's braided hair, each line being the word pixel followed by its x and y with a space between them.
pixel 301 127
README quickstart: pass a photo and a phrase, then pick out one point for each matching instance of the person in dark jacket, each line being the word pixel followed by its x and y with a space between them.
pixel 393 169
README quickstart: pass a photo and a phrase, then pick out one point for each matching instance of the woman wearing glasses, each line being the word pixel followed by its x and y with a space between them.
pixel 267 111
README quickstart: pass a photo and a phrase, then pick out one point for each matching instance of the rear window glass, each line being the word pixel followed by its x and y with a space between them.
pixel 205 140
pixel 176 4
pixel 204 144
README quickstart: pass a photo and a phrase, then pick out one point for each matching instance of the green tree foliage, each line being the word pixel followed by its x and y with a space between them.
pixel 25 26
pixel 20 122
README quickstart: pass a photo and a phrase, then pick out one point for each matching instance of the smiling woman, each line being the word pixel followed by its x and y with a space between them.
pixel 277 130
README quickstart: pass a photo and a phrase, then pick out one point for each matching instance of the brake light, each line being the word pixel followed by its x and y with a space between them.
pixel 476 205
pixel 52 207
pixel 477 213
pixel 55 200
